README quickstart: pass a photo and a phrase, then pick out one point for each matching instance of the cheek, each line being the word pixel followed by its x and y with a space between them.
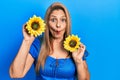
pixel 63 25
pixel 51 30
pixel 63 28
pixel 51 24
pixel 63 31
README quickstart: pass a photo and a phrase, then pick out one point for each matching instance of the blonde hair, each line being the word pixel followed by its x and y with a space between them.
pixel 46 46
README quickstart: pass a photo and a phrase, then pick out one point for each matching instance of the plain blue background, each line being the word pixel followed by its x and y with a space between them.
pixel 97 23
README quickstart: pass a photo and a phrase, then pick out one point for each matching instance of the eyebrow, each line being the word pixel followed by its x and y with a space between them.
pixel 55 16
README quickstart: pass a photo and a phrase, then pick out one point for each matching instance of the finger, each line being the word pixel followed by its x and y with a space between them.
pixel 23 28
pixel 80 54
pixel 82 46
pixel 24 25
pixel 81 49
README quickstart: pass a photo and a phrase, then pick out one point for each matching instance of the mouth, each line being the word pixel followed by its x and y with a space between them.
pixel 58 32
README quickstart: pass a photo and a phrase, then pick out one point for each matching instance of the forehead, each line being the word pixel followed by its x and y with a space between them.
pixel 57 12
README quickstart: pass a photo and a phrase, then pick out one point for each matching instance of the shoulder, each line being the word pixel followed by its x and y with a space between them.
pixel 38 41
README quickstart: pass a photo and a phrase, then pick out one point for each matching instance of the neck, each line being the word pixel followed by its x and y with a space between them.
pixel 57 43
pixel 58 49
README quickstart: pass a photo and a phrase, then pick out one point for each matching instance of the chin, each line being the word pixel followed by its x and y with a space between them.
pixel 58 37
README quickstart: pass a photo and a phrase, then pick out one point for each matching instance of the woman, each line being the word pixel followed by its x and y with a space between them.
pixel 51 60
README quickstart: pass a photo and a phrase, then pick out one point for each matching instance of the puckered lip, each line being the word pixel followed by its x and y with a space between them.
pixel 57 32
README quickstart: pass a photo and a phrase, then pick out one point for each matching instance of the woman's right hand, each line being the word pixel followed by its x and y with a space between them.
pixel 26 35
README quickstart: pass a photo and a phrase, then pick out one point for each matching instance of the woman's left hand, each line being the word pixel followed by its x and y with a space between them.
pixel 78 54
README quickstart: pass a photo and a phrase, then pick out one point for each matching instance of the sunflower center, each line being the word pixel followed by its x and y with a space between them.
pixel 35 25
pixel 72 43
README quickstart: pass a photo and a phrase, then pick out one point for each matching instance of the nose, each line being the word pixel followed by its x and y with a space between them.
pixel 58 24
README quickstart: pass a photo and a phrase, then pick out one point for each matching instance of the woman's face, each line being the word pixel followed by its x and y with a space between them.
pixel 57 23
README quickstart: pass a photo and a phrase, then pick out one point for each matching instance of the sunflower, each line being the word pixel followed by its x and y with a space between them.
pixel 35 26
pixel 72 43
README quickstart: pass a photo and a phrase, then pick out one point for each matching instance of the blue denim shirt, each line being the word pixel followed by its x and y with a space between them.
pixel 54 69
